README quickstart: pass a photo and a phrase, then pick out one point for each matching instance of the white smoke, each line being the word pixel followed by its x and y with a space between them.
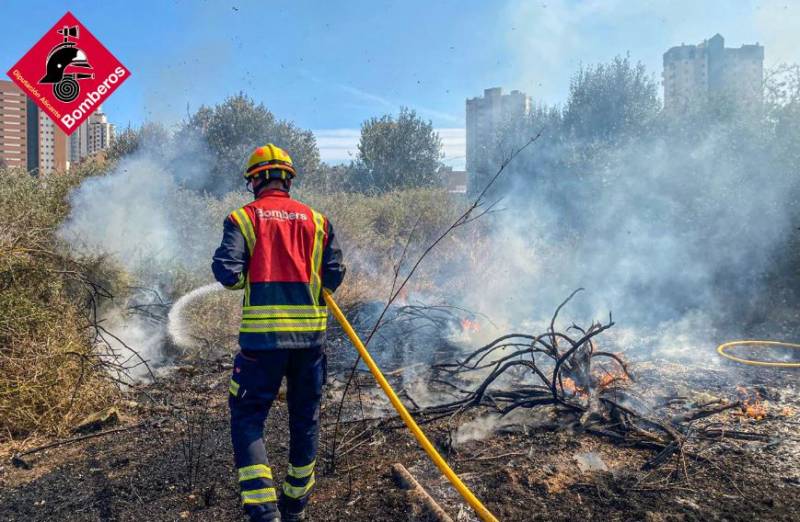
pixel 673 241
pixel 128 213
pixel 163 234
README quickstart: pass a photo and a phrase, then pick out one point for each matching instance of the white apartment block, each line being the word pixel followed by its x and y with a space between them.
pixel 486 116
pixel 94 135
pixel 691 72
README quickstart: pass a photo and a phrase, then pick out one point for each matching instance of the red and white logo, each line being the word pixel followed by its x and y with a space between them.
pixel 68 73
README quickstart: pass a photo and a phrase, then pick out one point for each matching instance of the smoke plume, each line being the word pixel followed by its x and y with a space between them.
pixel 160 232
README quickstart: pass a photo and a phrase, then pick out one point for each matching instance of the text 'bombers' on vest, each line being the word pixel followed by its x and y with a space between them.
pixel 92 98
pixel 280 214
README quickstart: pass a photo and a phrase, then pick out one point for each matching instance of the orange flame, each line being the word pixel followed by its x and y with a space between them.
pixel 609 378
pixel 752 405
pixel 755 410
pixel 571 387
pixel 469 325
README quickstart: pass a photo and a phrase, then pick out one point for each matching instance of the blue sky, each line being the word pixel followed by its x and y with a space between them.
pixel 329 65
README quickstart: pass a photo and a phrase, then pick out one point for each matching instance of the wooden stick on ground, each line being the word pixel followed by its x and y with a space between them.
pixel 407 481
pixel 19 462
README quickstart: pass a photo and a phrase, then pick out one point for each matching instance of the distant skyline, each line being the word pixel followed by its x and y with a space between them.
pixel 328 66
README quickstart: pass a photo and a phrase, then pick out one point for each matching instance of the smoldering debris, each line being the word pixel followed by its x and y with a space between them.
pixel 584 390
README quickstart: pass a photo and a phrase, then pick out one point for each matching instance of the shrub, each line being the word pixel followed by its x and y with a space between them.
pixel 50 375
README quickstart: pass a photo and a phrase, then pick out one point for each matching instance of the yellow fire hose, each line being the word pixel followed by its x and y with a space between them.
pixel 721 349
pixel 423 441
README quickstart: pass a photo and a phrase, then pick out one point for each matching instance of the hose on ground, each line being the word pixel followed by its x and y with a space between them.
pixel 722 350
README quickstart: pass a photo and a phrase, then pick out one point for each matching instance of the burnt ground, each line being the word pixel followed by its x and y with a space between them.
pixel 178 466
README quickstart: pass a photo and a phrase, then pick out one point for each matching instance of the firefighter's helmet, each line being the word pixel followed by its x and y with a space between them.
pixel 274 160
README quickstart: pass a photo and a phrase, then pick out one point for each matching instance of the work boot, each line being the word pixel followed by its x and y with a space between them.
pixel 291 513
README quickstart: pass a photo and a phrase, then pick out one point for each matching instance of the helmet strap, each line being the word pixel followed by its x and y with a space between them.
pixel 251 184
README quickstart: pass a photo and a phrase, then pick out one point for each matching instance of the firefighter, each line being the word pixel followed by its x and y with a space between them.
pixel 282 253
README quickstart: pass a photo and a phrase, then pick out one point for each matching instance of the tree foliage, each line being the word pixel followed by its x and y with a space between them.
pixel 609 100
pixel 150 136
pixel 396 153
pixel 234 128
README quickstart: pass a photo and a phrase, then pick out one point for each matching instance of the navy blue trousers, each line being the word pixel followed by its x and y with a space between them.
pixel 254 385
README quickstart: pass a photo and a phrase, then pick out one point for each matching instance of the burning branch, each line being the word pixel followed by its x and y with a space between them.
pixel 525 371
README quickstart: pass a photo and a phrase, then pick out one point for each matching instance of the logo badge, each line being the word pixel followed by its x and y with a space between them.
pixel 68 73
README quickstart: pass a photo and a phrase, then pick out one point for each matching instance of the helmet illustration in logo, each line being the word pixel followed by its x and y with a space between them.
pixel 62 62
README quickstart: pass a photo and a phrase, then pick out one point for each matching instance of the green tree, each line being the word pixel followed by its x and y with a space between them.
pixel 611 100
pixel 234 128
pixel 151 136
pixel 396 153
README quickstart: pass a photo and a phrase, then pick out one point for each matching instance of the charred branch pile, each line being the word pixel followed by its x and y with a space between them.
pixel 589 389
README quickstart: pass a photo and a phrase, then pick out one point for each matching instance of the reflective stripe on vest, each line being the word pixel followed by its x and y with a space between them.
pixel 283 318
pixel 315 283
pixel 246 226
pixel 249 233
pixel 283 311
pixel 284 325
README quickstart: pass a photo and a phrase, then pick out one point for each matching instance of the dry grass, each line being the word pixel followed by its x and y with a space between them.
pixel 50 376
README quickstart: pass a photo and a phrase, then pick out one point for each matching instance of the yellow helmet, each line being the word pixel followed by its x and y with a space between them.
pixel 269 157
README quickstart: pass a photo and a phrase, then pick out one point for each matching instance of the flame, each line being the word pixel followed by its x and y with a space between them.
pixel 609 378
pixel 571 387
pixel 469 325
pixel 752 405
pixel 756 410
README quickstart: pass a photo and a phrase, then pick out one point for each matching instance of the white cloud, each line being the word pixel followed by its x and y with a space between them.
pixel 454 144
pixel 337 145
pixel 341 145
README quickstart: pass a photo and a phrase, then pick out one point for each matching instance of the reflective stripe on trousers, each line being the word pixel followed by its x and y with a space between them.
pixel 299 480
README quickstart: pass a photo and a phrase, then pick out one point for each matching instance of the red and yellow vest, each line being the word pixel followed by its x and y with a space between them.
pixel 283 305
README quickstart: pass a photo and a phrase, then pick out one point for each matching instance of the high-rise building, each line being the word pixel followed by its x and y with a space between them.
pixel 28 138
pixel 94 135
pixel 13 126
pixel 486 117
pixel 53 150
pixel 693 71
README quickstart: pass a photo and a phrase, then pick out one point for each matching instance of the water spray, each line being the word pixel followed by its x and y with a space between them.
pixel 176 325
